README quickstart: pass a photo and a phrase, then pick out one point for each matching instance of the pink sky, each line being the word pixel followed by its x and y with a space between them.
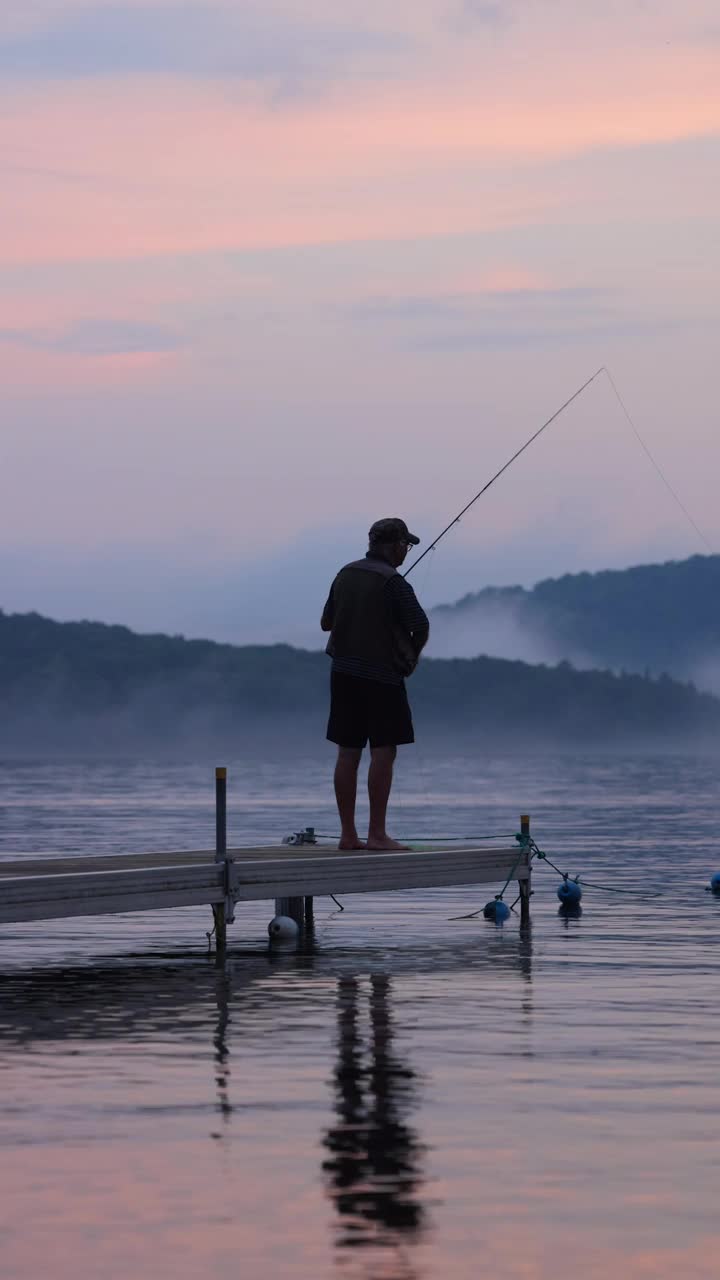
pixel 357 254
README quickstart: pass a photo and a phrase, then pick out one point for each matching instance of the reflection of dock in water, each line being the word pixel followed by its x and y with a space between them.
pixel 140 997
pixel 374 1163
pixel 221 1049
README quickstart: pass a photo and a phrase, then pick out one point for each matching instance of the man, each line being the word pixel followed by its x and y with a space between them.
pixel 377 632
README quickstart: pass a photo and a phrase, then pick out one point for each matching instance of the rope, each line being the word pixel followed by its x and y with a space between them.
pixel 525 843
pixel 536 852
pixel 495 835
pixel 607 888
pixel 590 884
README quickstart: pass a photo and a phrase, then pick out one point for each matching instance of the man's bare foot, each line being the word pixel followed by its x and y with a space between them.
pixel 350 842
pixel 381 844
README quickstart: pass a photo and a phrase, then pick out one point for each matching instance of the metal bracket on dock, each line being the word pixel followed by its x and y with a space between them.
pixel 232 884
pixel 301 837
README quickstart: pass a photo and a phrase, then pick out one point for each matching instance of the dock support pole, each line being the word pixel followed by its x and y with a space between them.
pixel 292 907
pixel 524 885
pixel 219 911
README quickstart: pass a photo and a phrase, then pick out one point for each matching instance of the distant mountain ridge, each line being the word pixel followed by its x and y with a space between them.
pixel 86 684
pixel 652 618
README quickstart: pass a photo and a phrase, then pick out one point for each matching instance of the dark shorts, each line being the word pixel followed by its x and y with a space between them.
pixel 364 711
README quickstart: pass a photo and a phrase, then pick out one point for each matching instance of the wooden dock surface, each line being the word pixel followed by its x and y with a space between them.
pixel 34 888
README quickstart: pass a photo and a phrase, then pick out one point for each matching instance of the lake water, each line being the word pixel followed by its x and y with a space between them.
pixel 410 1097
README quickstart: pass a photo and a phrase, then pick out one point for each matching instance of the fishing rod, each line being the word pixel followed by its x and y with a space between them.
pixel 509 463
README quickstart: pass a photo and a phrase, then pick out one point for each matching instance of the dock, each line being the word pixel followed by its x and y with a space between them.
pixel 44 888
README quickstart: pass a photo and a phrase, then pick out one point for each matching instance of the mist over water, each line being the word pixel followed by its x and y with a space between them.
pixel 506 628
pixel 497 630
pixel 705 674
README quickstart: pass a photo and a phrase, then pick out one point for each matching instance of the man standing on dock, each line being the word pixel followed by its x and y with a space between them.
pixel 377 633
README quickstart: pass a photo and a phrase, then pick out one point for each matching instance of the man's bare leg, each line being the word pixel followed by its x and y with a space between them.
pixel 346 771
pixel 380 775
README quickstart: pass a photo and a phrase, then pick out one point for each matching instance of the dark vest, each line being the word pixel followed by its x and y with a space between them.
pixel 362 618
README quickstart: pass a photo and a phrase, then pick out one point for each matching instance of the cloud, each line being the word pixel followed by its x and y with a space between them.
pixel 481 15
pixel 701 33
pixel 517 318
pixel 96 338
pixel 190 41
pixel 482 11
pixel 183 166
pixel 435 306
pixel 491 318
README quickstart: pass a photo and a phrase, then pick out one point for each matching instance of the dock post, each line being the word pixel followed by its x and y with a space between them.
pixel 524 885
pixel 219 911
pixel 292 907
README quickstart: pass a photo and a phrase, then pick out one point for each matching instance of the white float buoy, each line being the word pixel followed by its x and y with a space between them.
pixel 283 929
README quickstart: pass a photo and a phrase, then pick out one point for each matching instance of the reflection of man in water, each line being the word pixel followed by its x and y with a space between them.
pixel 374 1162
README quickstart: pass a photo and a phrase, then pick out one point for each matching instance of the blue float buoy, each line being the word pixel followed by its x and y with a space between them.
pixel 569 892
pixel 715 882
pixel 496 910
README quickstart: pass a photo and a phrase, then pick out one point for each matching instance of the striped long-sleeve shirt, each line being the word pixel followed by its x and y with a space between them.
pixel 406 613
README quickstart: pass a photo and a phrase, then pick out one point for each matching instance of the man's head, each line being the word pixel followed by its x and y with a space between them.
pixel 391 539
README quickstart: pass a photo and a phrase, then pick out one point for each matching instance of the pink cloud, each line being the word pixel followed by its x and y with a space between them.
pixel 177 168
pixel 38 371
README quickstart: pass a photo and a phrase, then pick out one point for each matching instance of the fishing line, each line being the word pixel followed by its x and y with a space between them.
pixel 534 436
pixel 661 474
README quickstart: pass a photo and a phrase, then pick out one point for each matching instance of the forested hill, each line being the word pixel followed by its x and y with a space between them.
pixel 84 684
pixel 661 617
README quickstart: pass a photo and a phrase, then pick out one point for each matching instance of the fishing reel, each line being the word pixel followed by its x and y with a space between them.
pixel 301 837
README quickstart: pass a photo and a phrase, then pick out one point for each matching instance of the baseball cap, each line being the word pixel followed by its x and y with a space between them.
pixel 392 529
